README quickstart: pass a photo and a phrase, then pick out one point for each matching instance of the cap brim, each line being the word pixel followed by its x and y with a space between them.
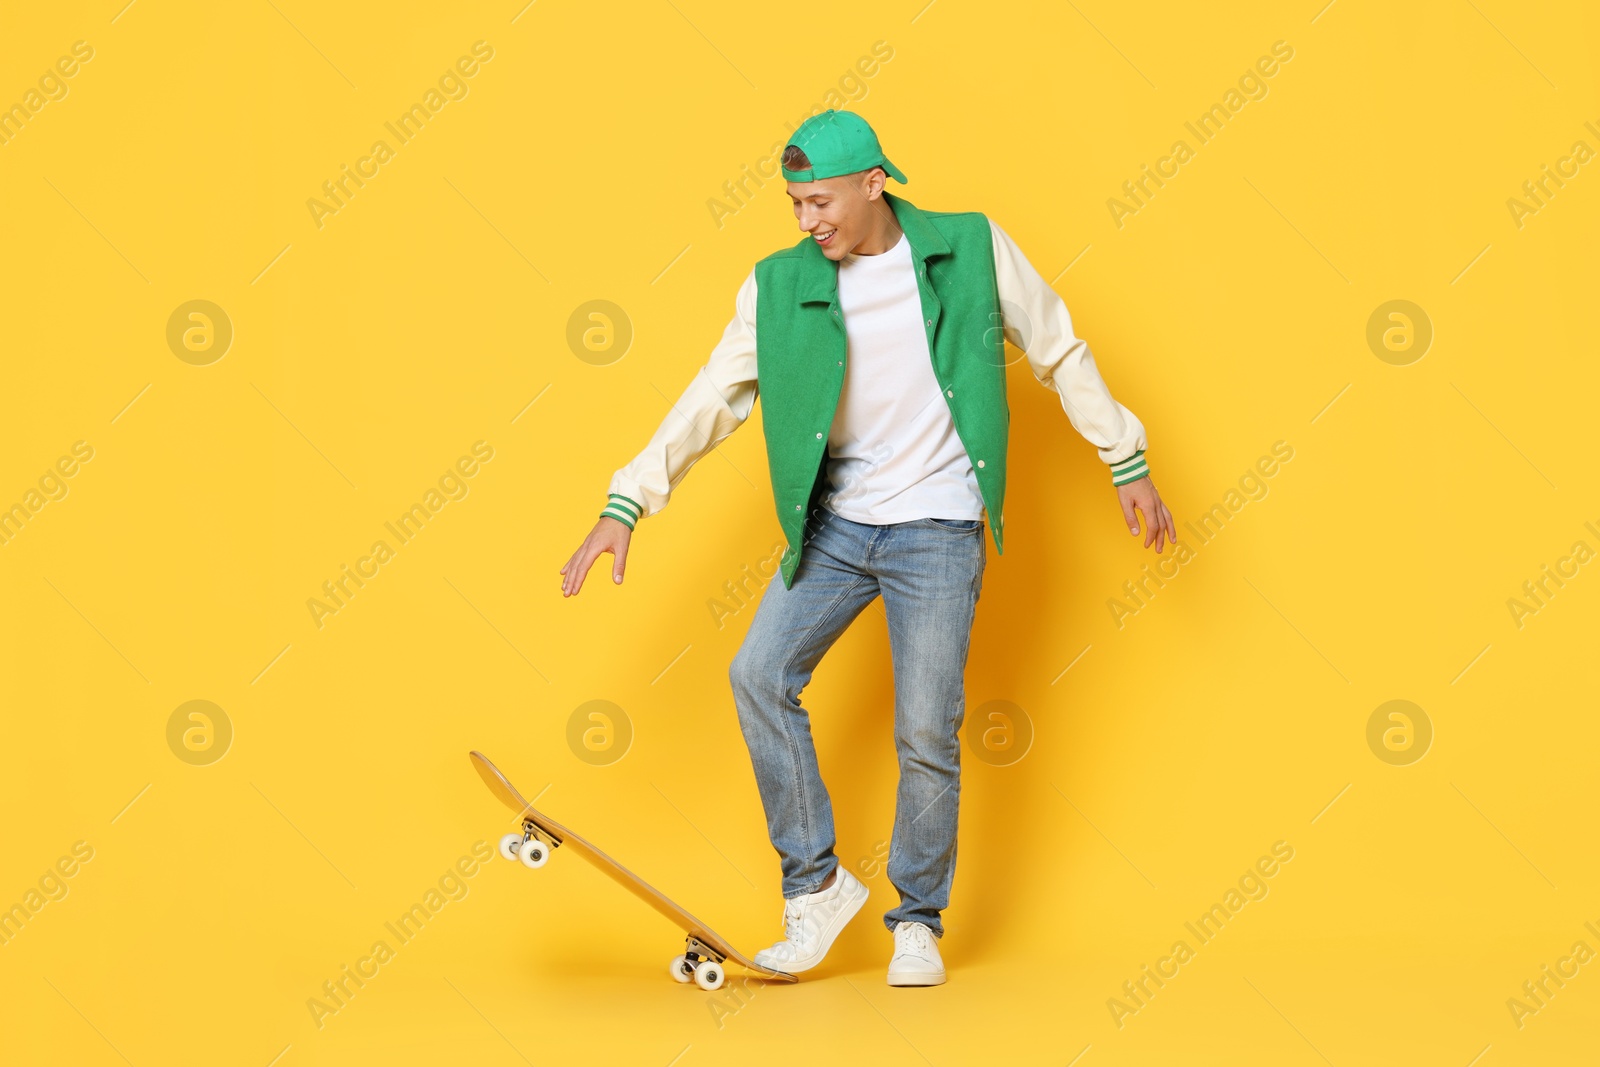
pixel 894 172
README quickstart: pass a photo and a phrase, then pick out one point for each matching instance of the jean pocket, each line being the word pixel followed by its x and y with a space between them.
pixel 961 525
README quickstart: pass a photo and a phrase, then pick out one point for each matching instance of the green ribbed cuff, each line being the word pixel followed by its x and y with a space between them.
pixel 1130 470
pixel 623 510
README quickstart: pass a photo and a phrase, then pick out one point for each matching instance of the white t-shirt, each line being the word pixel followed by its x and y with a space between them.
pixel 893 451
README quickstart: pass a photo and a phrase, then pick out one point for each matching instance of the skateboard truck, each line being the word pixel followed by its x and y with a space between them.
pixel 700 964
pixel 533 846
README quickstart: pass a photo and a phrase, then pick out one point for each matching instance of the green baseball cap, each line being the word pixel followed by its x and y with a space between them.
pixel 838 142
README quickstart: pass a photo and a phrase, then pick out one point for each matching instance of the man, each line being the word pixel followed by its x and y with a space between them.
pixel 882 370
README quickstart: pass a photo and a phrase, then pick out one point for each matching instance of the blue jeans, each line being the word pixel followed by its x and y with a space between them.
pixel 929 572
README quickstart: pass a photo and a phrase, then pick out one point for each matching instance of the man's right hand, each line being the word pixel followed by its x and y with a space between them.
pixel 608 535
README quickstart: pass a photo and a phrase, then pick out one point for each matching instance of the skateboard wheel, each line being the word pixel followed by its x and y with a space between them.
pixel 509 845
pixel 681 969
pixel 534 853
pixel 708 975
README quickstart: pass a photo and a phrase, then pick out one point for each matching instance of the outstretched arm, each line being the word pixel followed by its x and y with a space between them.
pixel 716 402
pixel 1037 322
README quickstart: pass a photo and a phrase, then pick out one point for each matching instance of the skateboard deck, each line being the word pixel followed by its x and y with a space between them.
pixel 705 948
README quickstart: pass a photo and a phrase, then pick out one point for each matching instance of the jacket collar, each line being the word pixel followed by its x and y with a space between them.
pixel 819 275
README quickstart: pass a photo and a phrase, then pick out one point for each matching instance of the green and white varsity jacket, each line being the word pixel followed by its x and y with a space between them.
pixel 786 343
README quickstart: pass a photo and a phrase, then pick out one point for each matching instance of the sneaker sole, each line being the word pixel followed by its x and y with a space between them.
pixel 850 910
pixel 916 979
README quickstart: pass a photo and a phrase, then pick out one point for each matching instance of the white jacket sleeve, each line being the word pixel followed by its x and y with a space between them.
pixel 716 402
pixel 1037 321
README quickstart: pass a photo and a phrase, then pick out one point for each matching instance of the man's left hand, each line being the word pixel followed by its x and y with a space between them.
pixel 1141 496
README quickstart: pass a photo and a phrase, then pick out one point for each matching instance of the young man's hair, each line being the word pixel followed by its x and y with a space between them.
pixel 795 158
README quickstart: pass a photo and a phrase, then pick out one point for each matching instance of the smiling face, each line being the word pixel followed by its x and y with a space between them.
pixel 846 214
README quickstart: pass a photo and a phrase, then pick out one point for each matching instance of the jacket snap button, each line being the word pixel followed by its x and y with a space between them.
pixel 980 462
pixel 930 322
pixel 949 392
pixel 819 437
pixel 797 507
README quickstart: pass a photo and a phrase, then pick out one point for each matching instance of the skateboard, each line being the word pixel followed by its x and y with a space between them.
pixel 705 950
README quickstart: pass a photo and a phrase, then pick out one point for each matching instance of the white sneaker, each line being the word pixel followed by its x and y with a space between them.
pixel 811 922
pixel 916 956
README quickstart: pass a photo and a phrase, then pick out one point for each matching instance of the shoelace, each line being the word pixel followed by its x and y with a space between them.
pixel 793 913
pixel 917 938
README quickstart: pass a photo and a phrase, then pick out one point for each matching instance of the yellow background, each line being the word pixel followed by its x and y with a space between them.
pixel 370 353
